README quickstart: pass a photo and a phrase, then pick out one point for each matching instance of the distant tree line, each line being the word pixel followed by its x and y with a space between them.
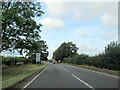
pixel 20 31
pixel 109 59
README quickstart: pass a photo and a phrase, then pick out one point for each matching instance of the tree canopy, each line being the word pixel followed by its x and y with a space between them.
pixel 65 50
pixel 20 31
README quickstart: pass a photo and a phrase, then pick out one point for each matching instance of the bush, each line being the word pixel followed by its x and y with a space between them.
pixel 100 61
pixel 13 60
pixel 110 59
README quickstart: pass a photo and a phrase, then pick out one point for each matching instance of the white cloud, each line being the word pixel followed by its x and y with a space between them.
pixel 51 50
pixel 87 49
pixel 109 20
pixel 87 31
pixel 7 54
pixel 83 34
pixel 84 11
pixel 80 10
pixel 52 23
pixel 109 36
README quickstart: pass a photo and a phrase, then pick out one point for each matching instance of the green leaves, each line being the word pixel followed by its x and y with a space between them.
pixel 19 28
pixel 65 50
pixel 13 60
pixel 110 59
pixel 112 52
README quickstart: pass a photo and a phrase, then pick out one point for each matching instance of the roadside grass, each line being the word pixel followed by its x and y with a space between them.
pixel 12 75
pixel 111 72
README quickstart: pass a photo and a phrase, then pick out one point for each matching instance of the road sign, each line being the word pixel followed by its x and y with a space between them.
pixel 37 57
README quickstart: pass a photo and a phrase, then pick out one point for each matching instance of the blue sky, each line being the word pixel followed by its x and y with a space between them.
pixel 90 25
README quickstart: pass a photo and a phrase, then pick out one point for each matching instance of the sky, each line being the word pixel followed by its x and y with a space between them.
pixel 89 25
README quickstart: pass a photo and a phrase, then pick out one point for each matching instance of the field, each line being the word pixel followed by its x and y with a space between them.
pixel 13 74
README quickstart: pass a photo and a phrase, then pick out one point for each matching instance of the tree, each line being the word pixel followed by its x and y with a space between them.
pixel 110 59
pixel 20 31
pixel 38 47
pixel 112 52
pixel 65 50
pixel 18 25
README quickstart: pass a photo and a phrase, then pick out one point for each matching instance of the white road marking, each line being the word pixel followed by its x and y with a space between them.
pixel 65 69
pixel 34 78
pixel 96 72
pixel 83 82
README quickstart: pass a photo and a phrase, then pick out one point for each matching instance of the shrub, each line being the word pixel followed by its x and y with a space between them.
pixel 13 60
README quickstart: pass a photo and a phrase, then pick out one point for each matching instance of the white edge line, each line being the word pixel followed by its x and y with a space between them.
pixel 34 78
pixel 65 70
pixel 83 82
pixel 96 72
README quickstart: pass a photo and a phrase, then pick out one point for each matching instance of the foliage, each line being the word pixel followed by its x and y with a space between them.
pixel 65 50
pixel 13 60
pixel 39 46
pixel 77 59
pixel 20 31
pixel 112 52
pixel 110 59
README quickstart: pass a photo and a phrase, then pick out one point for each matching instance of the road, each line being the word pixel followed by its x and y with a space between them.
pixel 66 76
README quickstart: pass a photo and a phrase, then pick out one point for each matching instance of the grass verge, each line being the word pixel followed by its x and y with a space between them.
pixel 111 72
pixel 14 74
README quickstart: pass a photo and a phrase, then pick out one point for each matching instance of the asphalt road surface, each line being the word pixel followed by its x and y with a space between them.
pixel 66 76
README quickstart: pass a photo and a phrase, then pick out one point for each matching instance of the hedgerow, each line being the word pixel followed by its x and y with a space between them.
pixel 14 60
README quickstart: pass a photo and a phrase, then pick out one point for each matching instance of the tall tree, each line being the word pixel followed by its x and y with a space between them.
pixel 19 28
pixel 18 24
pixel 65 50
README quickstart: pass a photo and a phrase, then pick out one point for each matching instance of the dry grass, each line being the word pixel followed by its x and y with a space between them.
pixel 112 72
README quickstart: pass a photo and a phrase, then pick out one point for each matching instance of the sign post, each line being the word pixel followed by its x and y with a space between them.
pixel 37 57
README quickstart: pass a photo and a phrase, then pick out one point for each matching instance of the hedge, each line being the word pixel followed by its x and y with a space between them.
pixel 13 60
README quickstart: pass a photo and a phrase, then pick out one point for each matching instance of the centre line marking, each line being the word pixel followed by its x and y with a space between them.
pixel 83 82
pixel 95 71
pixel 65 70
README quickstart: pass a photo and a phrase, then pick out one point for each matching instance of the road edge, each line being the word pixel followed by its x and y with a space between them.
pixel 20 83
pixel 34 78
pixel 115 76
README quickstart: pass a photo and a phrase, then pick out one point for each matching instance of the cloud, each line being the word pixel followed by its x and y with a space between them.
pixel 87 49
pixel 87 31
pixel 51 50
pixel 85 11
pixel 87 17
pixel 109 36
pixel 109 20
pixel 7 54
pixel 52 23
pixel 83 34
pixel 80 10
